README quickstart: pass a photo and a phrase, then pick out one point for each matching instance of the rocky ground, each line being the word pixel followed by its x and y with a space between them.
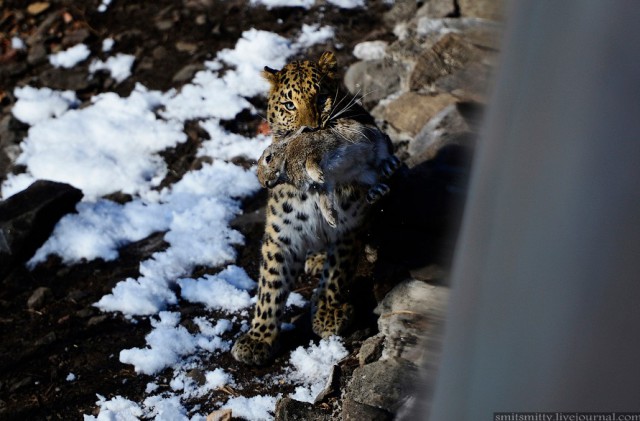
pixel 426 83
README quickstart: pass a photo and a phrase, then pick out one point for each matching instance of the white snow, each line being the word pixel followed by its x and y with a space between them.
pixel 312 366
pixel 113 144
pixel 36 105
pixel 225 291
pixel 116 409
pixel 256 408
pixel 370 50
pixel 18 44
pixel 270 4
pixel 107 44
pixel 70 377
pixel 347 4
pixel 70 57
pixel 168 343
pixel 108 147
pixel 119 66
pixel 103 6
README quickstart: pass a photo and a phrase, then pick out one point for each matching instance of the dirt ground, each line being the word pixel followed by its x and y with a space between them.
pixel 39 348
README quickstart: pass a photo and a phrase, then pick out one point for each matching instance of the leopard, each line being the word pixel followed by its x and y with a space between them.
pixel 347 151
pixel 305 95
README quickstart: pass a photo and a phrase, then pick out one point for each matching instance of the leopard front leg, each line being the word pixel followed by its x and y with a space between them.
pixel 333 313
pixel 280 266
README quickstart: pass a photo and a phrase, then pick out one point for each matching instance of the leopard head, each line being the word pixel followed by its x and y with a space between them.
pixel 300 94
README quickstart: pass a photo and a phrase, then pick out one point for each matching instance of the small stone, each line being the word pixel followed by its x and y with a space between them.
pixel 96 320
pixel 186 73
pixel 47 339
pixel 220 415
pixel 37 54
pixel 356 411
pixel 25 381
pixel 37 7
pixel 371 350
pixel 197 376
pixel 164 25
pixel 39 298
pixel 186 47
pixel 86 312
pixel 288 409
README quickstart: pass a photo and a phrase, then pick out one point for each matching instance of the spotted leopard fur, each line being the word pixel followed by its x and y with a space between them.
pixel 304 94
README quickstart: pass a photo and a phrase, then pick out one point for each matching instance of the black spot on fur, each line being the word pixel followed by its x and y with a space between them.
pixel 302 216
pixel 276 227
pixel 287 208
pixel 279 257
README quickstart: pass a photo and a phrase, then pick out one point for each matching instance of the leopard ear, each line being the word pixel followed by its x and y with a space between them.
pixel 271 75
pixel 328 64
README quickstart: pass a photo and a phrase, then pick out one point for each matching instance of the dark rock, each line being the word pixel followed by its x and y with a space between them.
pixel 371 350
pixel 39 298
pixel 356 411
pixel 37 54
pixel 74 79
pixel 28 217
pixel 333 385
pixel 47 339
pixel 288 409
pixel 186 73
pixel 75 37
pixel 96 320
pixel 384 384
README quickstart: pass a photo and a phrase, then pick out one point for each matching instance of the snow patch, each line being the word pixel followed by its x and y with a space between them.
pixel 119 66
pixel 70 57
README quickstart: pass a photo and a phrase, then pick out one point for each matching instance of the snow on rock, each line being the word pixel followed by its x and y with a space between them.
pixel 312 366
pixel 256 408
pixel 70 57
pixel 116 409
pixel 370 50
pixel 313 34
pixel 119 66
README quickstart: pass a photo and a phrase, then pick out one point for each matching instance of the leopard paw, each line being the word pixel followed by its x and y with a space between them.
pixel 390 166
pixel 331 320
pixel 376 192
pixel 252 351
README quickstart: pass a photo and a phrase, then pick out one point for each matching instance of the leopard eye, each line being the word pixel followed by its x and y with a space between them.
pixel 290 106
